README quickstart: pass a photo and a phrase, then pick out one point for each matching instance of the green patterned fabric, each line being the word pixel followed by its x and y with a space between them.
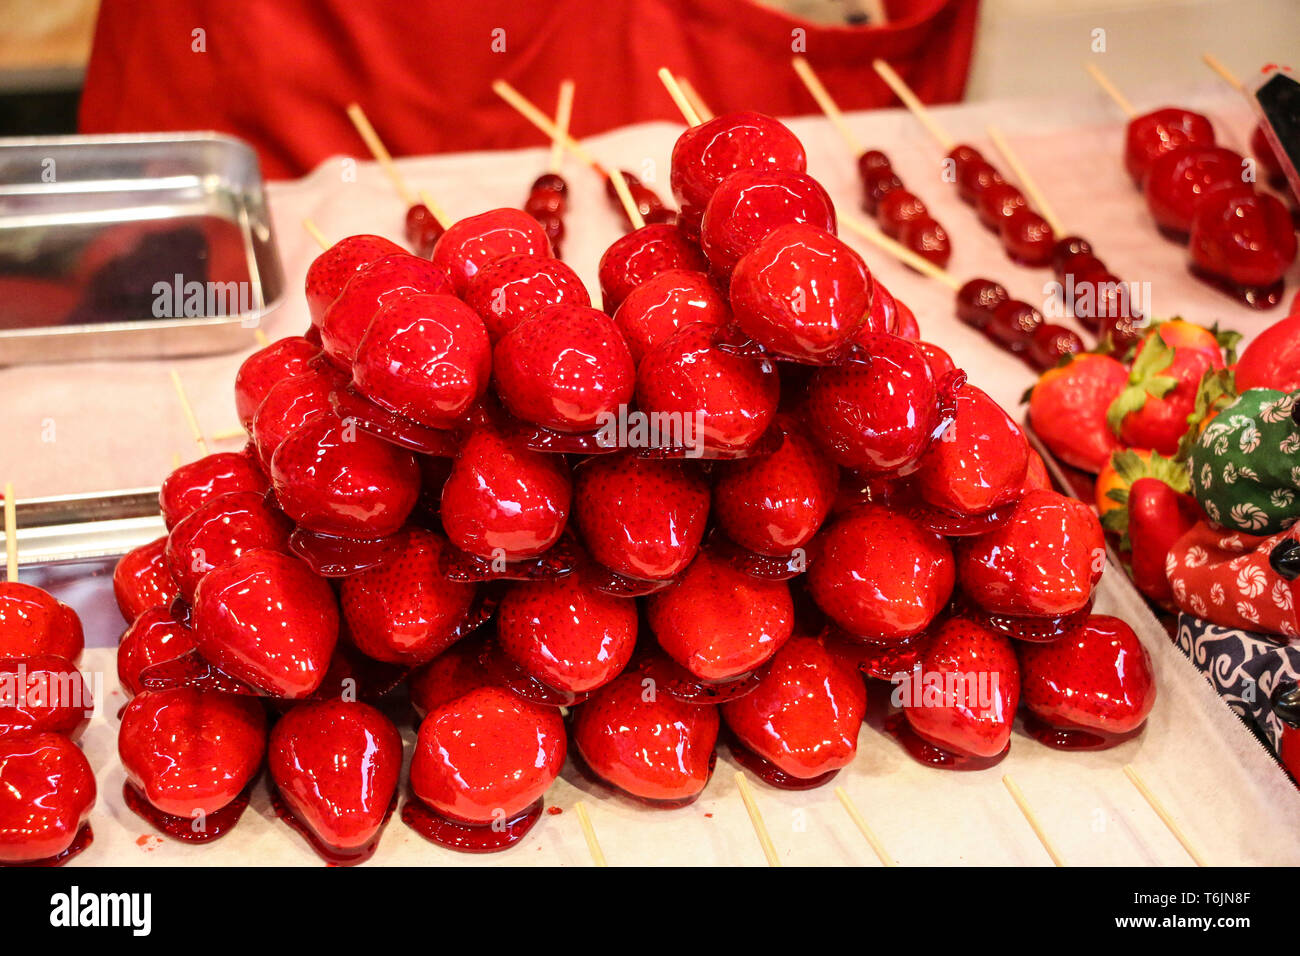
pixel 1245 467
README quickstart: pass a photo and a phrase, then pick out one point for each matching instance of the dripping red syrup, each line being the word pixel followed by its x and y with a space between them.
pixel 679 683
pixel 216 824
pixel 1072 737
pixel 331 556
pixel 468 837
pixel 585 769
pixel 1256 297
pixel 880 659
pixel 84 838
pixel 457 565
pixel 1036 630
pixel 924 752
pixel 622 585
pixel 765 567
pixel 332 855
pixel 567 443
pixel 770 773
pixel 391 427
pixel 501 668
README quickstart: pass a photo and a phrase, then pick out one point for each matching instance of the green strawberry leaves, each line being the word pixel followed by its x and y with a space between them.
pixel 1145 381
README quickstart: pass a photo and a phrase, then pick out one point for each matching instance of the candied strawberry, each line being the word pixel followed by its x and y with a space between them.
pixel 374 286
pixel 660 306
pixel 566 633
pixel 640 256
pixel 153 637
pixel 720 623
pixel 192 484
pixel 1244 236
pixel 1067 410
pixel 509 290
pixel 775 503
pixel 43 693
pixel 290 403
pixel 565 367
pixel 640 517
pixel 965 701
pixel 141 579
pixel 1044 561
pixel 452 674
pixel 749 204
pixel 330 271
pixel 879 574
pixel 474 243
pixel 979 462
pixel 648 744
pixel 282 359
pixel 220 530
pixel 805 713
pixel 47 789
pixel 33 621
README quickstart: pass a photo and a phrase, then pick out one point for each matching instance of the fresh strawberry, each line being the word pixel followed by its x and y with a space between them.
pixel 730 399
pixel 32 622
pixel 1067 409
pixel 474 243
pixel 192 484
pixel 281 359
pixel 749 204
pixel 1272 359
pixel 1154 411
pixel 1158 515
pixel 879 415
pixel 1044 561
pixel 980 461
pixel 331 270
pixel 645 742
pixel 404 611
pixel 289 403
pixel 450 675
pixel 640 256
pixel 660 306
pixel 43 693
pixel 565 367
pixel 1036 476
pixel 367 292
pixel 566 633
pixel 1099 678
pixel 46 792
pixel 426 358
pixel 805 713
pixel 502 499
pixel 487 756
pixel 141 579
pixel 880 575
pixel 220 530
pixel 267 620
pixel 802 293
pixel 335 764
pixel 969 686
pixel 509 290
pixel 640 517
pixel 191 752
pixel 333 478
pixel 772 504
pixel 153 637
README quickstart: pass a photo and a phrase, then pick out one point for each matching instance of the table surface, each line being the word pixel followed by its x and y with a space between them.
pixel 117 426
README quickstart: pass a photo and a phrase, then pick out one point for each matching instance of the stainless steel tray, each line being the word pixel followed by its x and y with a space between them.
pixel 68 529
pixel 91 225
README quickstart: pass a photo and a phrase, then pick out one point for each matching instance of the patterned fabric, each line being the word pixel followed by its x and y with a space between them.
pixel 1245 467
pixel 1226 579
pixel 1244 667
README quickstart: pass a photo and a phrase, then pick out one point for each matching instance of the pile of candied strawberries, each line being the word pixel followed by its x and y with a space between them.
pixel 739 502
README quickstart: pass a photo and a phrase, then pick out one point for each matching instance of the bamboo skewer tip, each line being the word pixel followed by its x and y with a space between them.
pixel 827 104
pixel 525 108
pixel 589 834
pixel 697 101
pixel 1113 91
pixel 563 115
pixel 313 230
pixel 1165 817
pixel 913 102
pixel 860 822
pixel 756 819
pixel 900 252
pixel 1032 818
pixel 1027 182
pixel 679 98
pixel 188 409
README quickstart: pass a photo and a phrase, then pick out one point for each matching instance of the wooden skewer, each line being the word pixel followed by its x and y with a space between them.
pixel 524 107
pixel 438 213
pixel 828 105
pixel 756 819
pixel 900 252
pixel 1111 89
pixel 189 412
pixel 865 830
pixel 1163 814
pixel 1023 804
pixel 679 98
pixel 230 434
pixel 313 230
pixel 563 114
pixel 593 847
pixel 380 152
pixel 1218 66
pixel 697 101
pixel 11 534
pixel 625 197
pixel 260 338
pixel 913 103
pixel 1026 181
pixel 176 460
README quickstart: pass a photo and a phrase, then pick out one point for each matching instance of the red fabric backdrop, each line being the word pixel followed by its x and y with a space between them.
pixel 279 72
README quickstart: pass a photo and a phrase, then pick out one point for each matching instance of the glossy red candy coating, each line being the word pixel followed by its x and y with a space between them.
pixel 281 359
pixel 426 358
pixel 565 367
pixel 927 238
pixel 378 284
pixel 749 204
pixel 640 256
pixel 219 531
pixel 336 764
pixel 802 293
pixel 974 178
pixel 1028 238
pixel 473 243
pixel 1178 180
pixel 141 579
pixel 330 271
pixel 43 693
pixel 978 299
pixel 422 229
pixel 487 755
pixel 658 307
pixel 1245 237
pixel 288 404
pixel 1050 343
pixel 1013 324
pixel 979 464
pixel 879 574
pixel 509 290
pixel 450 675
pixel 1161 131
pixel 267 620
pixel 46 792
pixel 155 636
pixel 191 752
pixel 32 621
pixel 897 209
pixel 997 203
pixel 333 478
pixel 192 484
